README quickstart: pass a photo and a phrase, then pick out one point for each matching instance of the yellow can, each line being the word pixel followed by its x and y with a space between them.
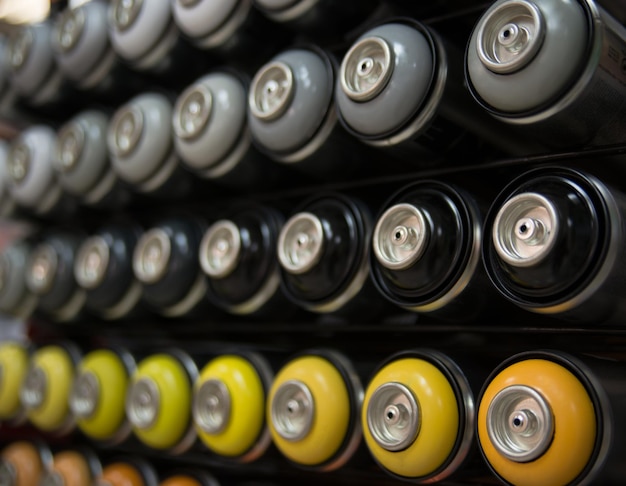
pixel 158 401
pixel 411 417
pixel 46 388
pixel 14 360
pixel 229 407
pixel 311 411
pixel 536 423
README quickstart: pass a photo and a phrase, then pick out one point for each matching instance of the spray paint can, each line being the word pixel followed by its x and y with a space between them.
pixel 211 133
pixel 426 252
pixel 323 21
pixel 401 87
pixel 143 33
pixel 228 408
pixel 292 116
pixel 238 256
pixel 552 243
pixel 323 251
pixel 16 299
pixel 568 60
pixel 140 143
pixel 418 416
pixel 34 73
pixel 104 269
pixel 50 275
pixel 525 414
pixel 83 52
pixel 82 164
pixel 165 261
pixel 235 31
pixel 32 181
pixel 158 401
pixel 313 410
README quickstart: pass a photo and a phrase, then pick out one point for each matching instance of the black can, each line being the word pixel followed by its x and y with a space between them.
pixel 238 256
pixel 426 252
pixel 50 275
pixel 552 245
pixel 165 261
pixel 323 250
pixel 104 269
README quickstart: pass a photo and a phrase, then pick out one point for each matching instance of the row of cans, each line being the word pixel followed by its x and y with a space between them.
pixel 34 463
pixel 400 87
pixel 549 243
pixel 537 417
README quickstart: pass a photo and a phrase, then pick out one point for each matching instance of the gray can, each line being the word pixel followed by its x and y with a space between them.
pixel 401 86
pixel 292 115
pixel 34 73
pixel 84 53
pixel 567 58
pixel 211 133
pixel 81 161
pixel 140 143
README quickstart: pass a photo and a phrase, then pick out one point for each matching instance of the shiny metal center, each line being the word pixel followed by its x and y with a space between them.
pixel 18 162
pixel 125 131
pixel 212 406
pixel 366 68
pixel 84 395
pixel 152 256
pixel 510 35
pixel 271 91
pixel 393 416
pixel 92 261
pixel 520 423
pixel 192 111
pixel 125 12
pixel 8 473
pixel 301 243
pixel 70 144
pixel 143 403
pixel 292 410
pixel 220 249
pixel 525 229
pixel 400 237
pixel 20 47
pixel 69 28
pixel 34 388
pixel 42 269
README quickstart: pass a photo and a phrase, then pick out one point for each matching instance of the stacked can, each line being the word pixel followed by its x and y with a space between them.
pixel 82 164
pixel 104 269
pixel 564 56
pixel 400 88
pixel 292 116
pixel 426 252
pixel 525 412
pixel 552 243
pixel 238 256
